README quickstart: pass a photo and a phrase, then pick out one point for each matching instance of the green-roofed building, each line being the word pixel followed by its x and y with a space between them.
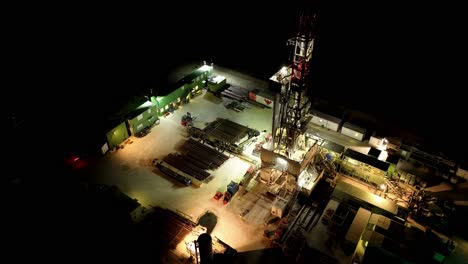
pixel 139 113
pixel 132 116
pixel 117 135
pixel 216 83
pixel 183 90
pixel 142 117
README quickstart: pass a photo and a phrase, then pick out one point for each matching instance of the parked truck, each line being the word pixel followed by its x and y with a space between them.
pixel 232 189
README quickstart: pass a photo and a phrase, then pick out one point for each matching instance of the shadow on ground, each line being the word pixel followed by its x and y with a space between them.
pixel 208 220
pixel 212 98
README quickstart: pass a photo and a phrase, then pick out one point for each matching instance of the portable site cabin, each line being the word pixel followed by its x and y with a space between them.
pixel 183 90
pixel 196 80
pixel 325 120
pixel 142 117
pixel 216 83
pixel 120 122
pixel 353 131
pixel 117 135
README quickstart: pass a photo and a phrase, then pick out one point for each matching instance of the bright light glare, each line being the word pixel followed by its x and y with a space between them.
pixel 188 241
pixel 383 144
pixel 145 104
pixel 284 70
pixel 282 162
pixel 383 186
pixel 218 79
pixel 191 247
pixel 205 68
pixel 302 179
pixel 383 155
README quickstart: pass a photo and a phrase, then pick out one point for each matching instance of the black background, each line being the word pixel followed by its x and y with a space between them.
pixel 392 60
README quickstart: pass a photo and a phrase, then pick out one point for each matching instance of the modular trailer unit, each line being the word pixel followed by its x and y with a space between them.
pixel 183 90
pixel 353 131
pixel 142 118
pixel 117 135
pixel 216 83
pixel 325 120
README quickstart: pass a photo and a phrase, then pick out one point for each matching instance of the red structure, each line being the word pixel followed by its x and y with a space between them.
pixel 292 103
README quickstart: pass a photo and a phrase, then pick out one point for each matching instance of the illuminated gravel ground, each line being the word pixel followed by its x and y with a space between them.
pixel 130 169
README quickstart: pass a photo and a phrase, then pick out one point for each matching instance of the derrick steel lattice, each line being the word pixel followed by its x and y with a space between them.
pixel 290 116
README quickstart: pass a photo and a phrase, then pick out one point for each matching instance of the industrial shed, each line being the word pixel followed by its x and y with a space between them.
pixel 117 135
pixel 344 191
pixel 116 128
pixel 141 118
pixel 372 161
pixel 325 120
pixel 353 131
pixel 216 83
pixel 364 167
pixel 183 90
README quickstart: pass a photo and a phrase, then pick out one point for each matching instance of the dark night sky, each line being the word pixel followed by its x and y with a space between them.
pixel 368 57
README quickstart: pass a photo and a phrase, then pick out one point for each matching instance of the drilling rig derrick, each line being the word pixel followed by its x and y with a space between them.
pixel 292 108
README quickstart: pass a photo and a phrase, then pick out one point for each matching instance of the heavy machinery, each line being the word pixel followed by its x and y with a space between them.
pixel 232 189
pixel 218 195
pixel 291 106
pixel 186 119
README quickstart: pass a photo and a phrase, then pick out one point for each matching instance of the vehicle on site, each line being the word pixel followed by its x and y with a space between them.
pixel 145 131
pixel 232 189
pixel 186 119
pixel 218 195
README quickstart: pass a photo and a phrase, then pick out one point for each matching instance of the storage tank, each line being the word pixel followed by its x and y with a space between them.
pixel 205 248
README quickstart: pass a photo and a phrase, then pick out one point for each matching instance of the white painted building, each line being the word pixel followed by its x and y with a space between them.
pixel 325 120
pixel 353 131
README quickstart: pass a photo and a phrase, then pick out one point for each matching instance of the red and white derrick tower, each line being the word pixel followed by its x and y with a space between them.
pixel 292 103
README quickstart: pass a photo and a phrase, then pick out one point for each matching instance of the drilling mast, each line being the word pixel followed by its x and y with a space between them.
pixel 292 103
